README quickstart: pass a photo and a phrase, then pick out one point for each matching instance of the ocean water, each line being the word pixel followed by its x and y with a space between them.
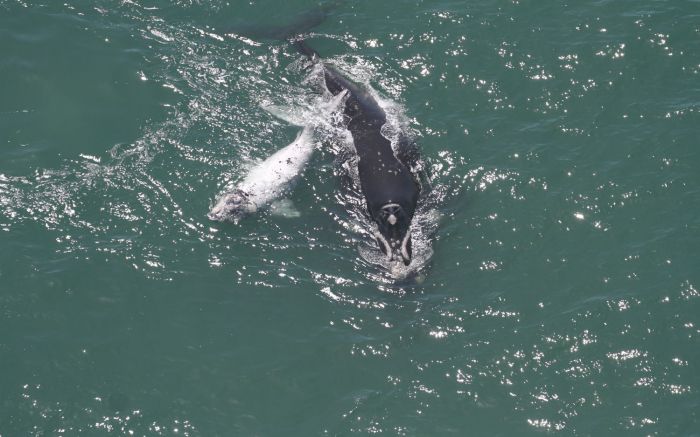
pixel 559 286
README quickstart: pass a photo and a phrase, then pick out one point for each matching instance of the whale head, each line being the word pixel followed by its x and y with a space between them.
pixel 394 232
pixel 232 207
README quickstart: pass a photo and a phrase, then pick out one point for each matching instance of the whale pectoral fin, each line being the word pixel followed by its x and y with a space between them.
pixel 297 117
pixel 336 101
pixel 284 208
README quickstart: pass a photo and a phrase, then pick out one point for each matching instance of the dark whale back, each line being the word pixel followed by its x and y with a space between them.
pixel 384 178
pixel 389 186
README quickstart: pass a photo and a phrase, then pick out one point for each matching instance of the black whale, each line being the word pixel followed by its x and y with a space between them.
pixel 389 186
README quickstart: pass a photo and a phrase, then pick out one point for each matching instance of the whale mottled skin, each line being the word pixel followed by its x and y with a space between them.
pixel 274 177
pixel 266 182
pixel 390 188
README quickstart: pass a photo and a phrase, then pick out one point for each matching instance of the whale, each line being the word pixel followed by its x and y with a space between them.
pixel 266 182
pixel 274 177
pixel 389 185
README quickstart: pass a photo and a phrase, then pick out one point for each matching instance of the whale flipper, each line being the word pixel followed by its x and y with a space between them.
pixel 299 116
pixel 284 208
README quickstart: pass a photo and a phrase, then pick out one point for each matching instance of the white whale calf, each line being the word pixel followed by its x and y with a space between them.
pixel 267 182
pixel 271 179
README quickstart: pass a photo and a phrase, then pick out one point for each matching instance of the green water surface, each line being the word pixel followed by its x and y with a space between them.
pixel 563 294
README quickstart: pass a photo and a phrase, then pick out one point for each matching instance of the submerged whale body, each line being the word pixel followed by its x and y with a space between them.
pixel 390 188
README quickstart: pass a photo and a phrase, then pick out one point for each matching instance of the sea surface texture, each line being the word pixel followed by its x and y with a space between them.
pixel 556 287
